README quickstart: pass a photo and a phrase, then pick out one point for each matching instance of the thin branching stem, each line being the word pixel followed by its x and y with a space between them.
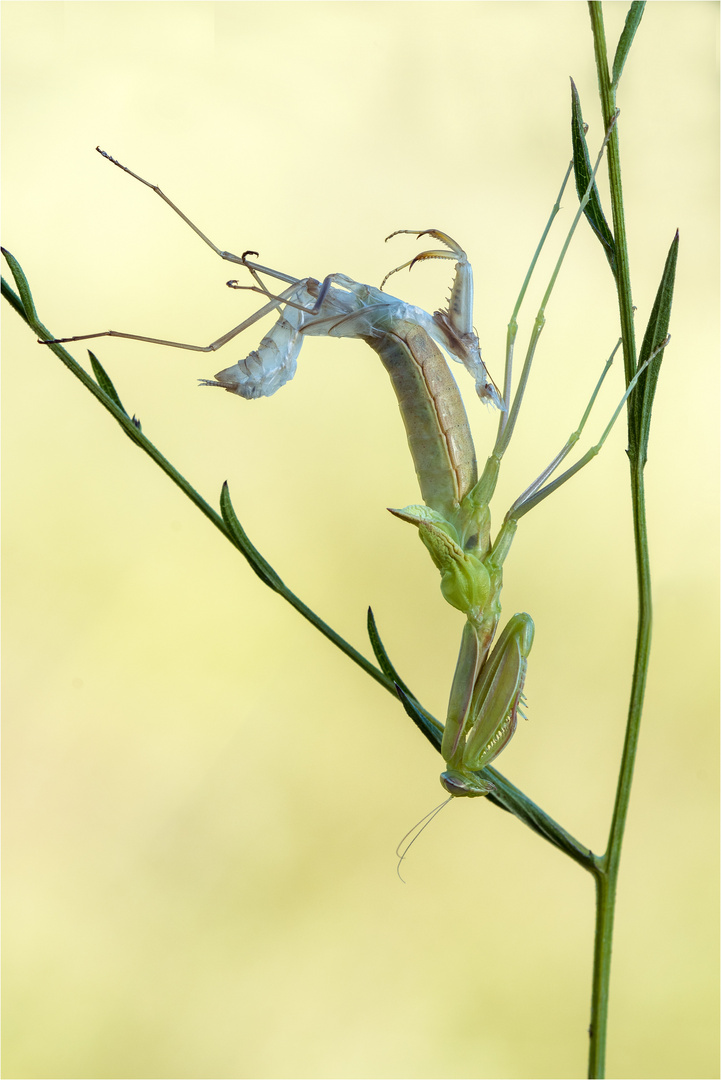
pixel 608 865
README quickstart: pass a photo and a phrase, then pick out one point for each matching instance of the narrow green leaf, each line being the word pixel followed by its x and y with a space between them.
pixel 104 381
pixel 583 171
pixel 13 299
pixel 262 568
pixel 656 332
pixel 384 662
pixel 26 297
pixel 429 723
pixel 633 18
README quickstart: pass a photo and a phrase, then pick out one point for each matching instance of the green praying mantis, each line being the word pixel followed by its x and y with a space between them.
pixel 454 521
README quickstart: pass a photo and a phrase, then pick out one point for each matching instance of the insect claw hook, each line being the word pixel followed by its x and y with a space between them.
pixel 455 251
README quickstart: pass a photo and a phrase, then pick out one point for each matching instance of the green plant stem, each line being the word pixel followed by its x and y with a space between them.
pixel 607 866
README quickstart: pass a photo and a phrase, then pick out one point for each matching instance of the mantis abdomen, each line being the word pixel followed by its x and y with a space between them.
pixel 433 414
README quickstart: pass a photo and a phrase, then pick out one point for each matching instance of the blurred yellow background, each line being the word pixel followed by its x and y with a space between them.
pixel 202 797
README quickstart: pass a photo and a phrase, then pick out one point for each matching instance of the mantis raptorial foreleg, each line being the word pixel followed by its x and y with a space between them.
pixel 454 328
pixel 482 722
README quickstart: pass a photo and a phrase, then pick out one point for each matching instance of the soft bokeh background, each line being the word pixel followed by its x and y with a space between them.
pixel 202 797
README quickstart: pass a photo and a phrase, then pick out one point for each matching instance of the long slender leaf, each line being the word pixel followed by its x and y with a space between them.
pixel 582 171
pixel 21 281
pixel 656 333
pixel 104 381
pixel 633 18
pixel 384 661
pixel 262 568
pixel 420 716
pixel 12 298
